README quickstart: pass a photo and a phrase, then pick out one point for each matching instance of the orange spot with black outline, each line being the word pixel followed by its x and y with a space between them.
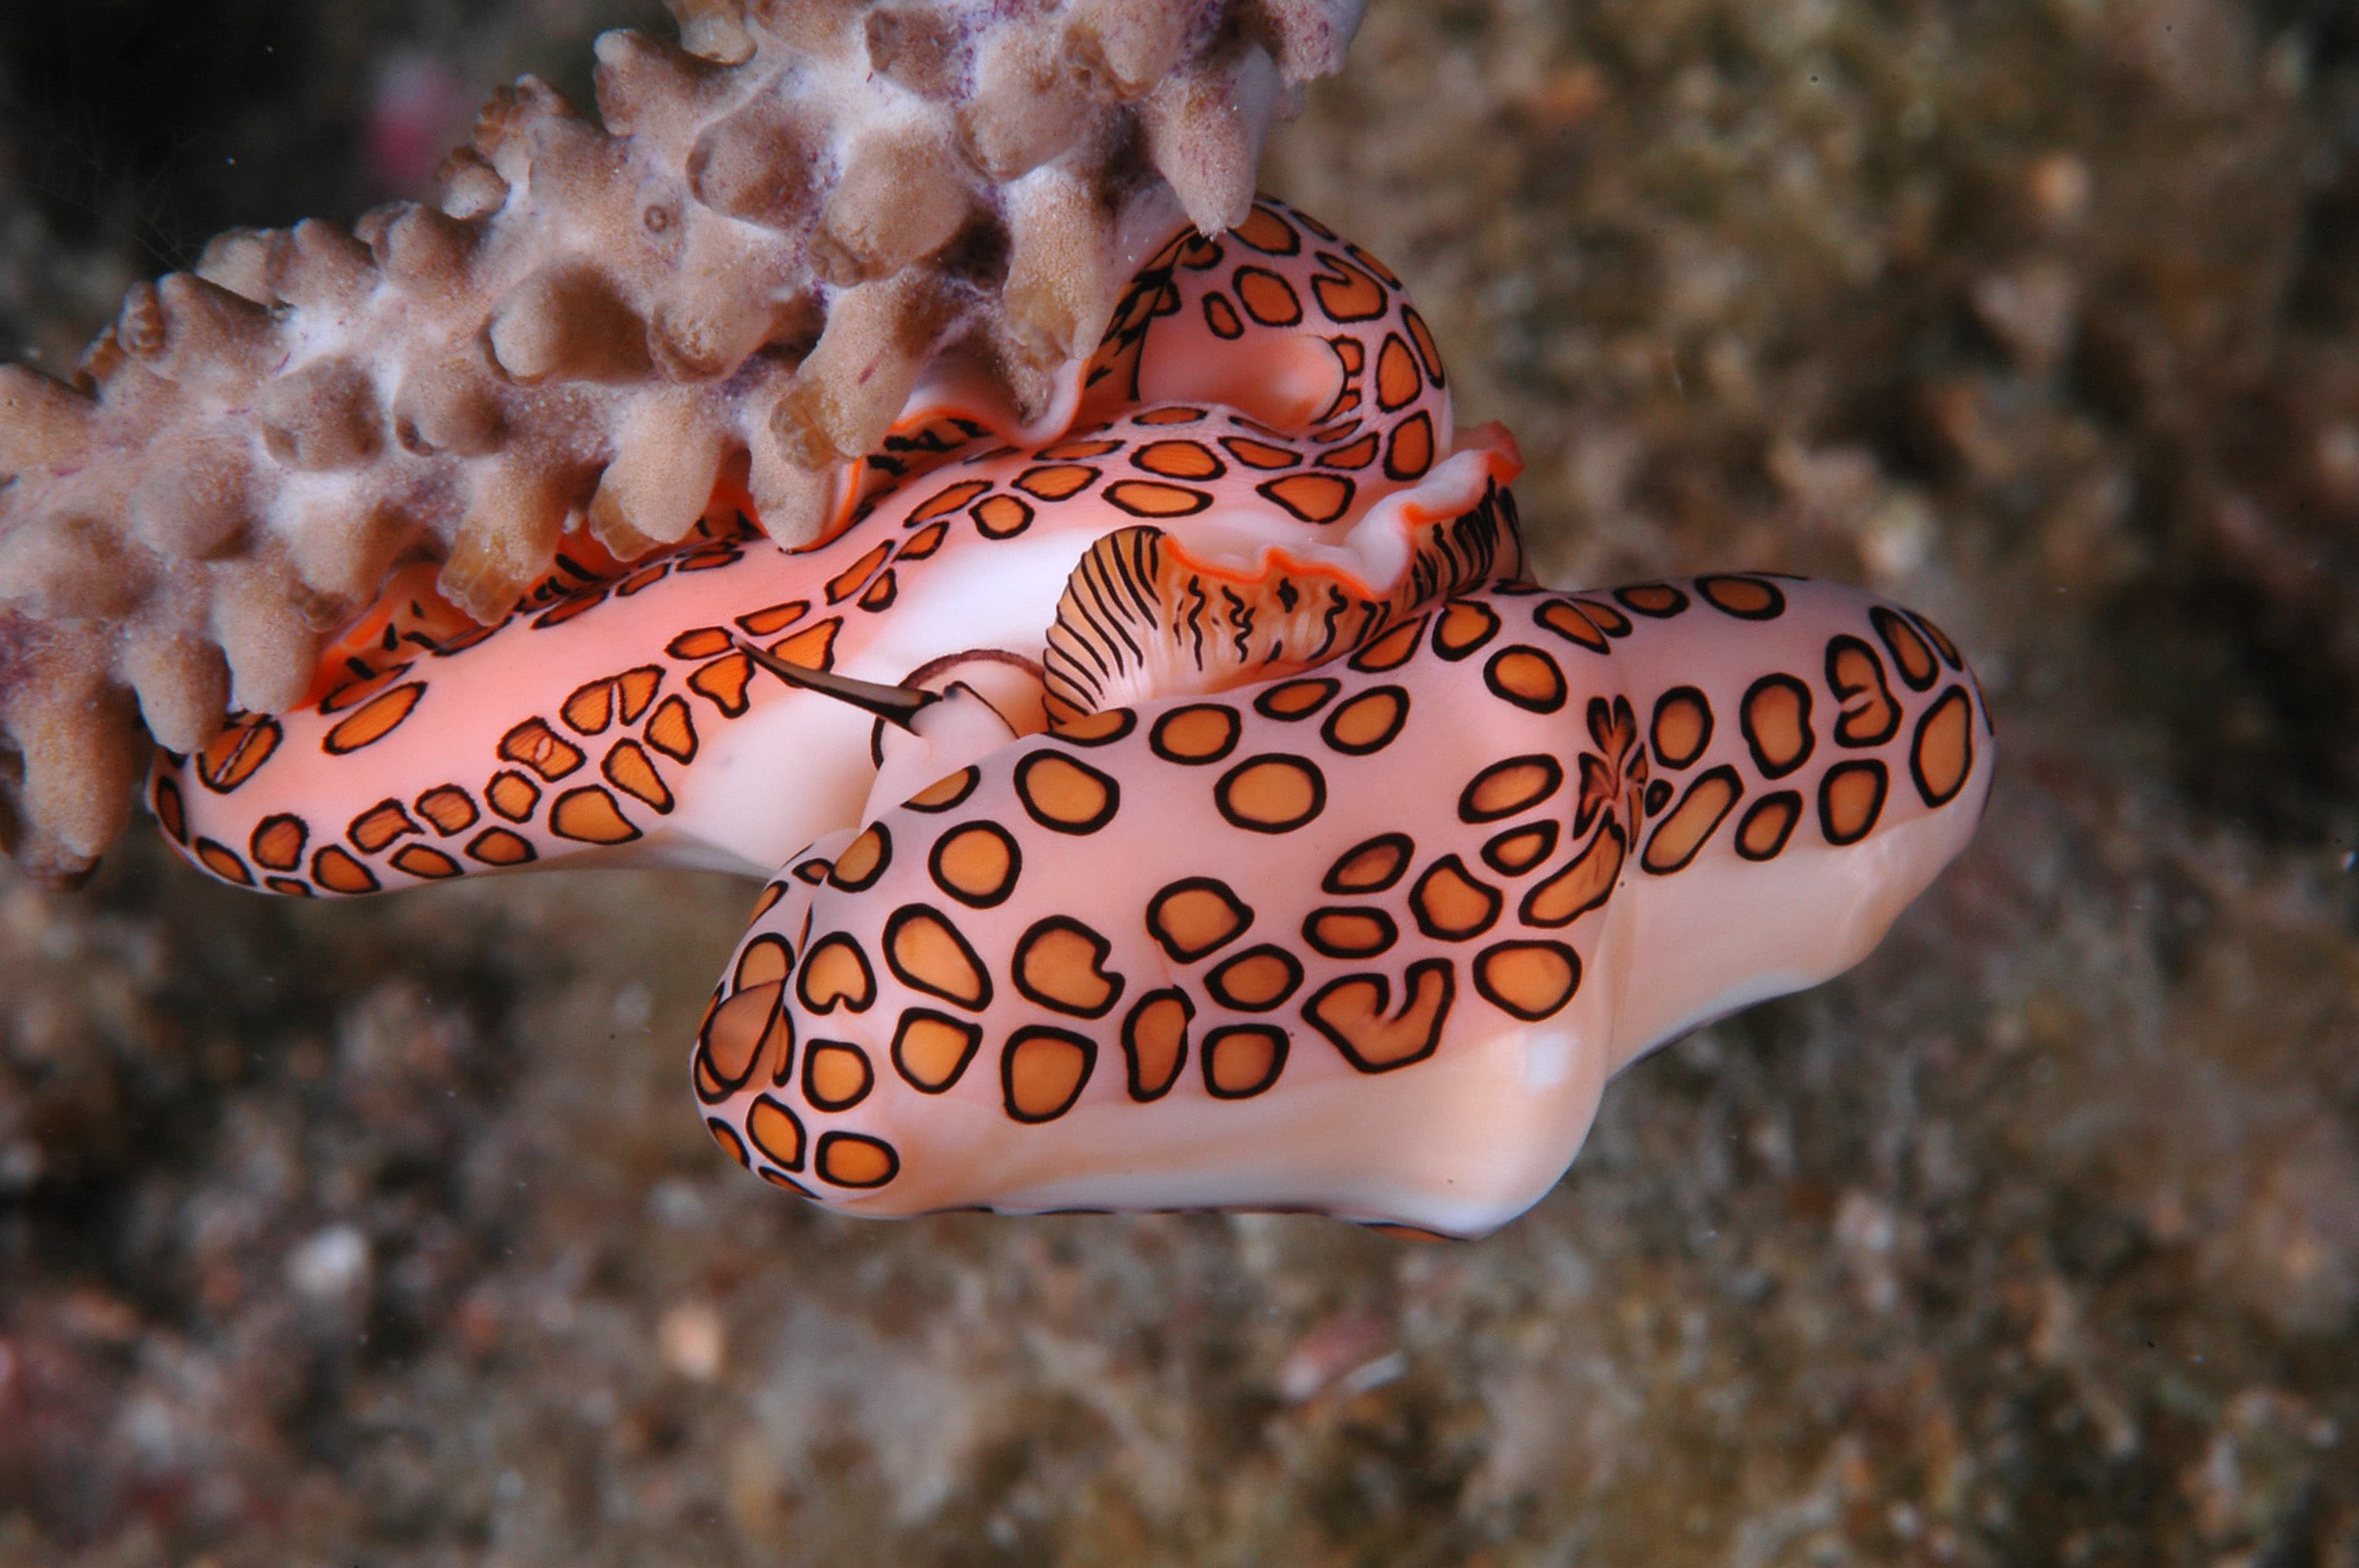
pixel 942 503
pixel 924 950
pixel 1582 885
pixel 630 770
pixel 1392 650
pixel 1078 451
pixel 813 647
pixel 512 794
pixel 222 861
pixel 1942 752
pixel 1428 354
pixel 1679 836
pixel 1658 599
pixel 1351 1012
pixel 1056 482
pixel 1371 866
pixel 722 683
pixel 1267 232
pixel 374 721
pixel 1267 297
pixel 1155 1042
pixel 1530 980
pixel 498 847
pixel 847 582
pixel 591 707
pixel 930 1050
pixel 1451 904
pixel 380 824
pixel 1295 699
pixel 856 1160
pixel 1851 798
pixel 1196 916
pixel 533 744
pixel 777 1133
pixel 1357 454
pixel 1463 628
pixel 1910 650
pixel 449 808
pixel 337 871
pixel 1257 979
pixel 836 1075
pixel 1518 850
pixel 1408 451
pixel 1368 723
pixel 590 815
pixel 1066 795
pixel 1746 597
pixel 1198 733
pixel 1060 963
pixel 1143 498
pixel 977 864
pixel 1504 788
pixel 1311 497
pixel 1565 619
pixel 424 861
pixel 726 1136
pixel 1260 454
pixel 1271 793
pixel 1682 727
pixel 765 958
pixel 1244 1060
pixel 835 972
pixel 1190 460
pixel 701 643
pixel 172 811
pixel 1099 729
pixel 864 859
pixel 1002 516
pixel 1769 823
pixel 1042 1072
pixel 1398 381
pixel 776 618
pixel 672 731
pixel 1346 292
pixel 946 792
pixel 635 688
pixel 277 842
pixel 1526 677
pixel 1350 932
pixel 1776 718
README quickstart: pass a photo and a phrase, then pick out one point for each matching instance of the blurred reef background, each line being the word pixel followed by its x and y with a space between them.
pixel 383 1233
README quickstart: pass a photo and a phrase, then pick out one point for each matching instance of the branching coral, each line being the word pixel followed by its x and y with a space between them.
pixel 785 224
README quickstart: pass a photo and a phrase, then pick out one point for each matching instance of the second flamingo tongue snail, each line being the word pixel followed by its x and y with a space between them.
pixel 1185 805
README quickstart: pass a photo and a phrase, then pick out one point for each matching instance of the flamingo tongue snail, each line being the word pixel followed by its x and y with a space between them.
pixel 1270 401
pixel 1366 941
pixel 1183 804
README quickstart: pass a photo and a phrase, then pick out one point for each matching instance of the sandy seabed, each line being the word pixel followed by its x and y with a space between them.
pixel 384 1233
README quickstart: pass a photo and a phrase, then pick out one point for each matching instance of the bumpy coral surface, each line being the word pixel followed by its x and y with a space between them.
pixel 784 222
